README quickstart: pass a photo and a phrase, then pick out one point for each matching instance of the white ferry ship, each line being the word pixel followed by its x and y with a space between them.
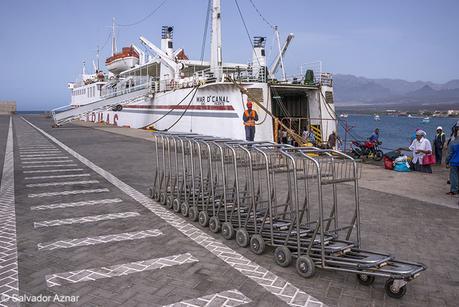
pixel 165 90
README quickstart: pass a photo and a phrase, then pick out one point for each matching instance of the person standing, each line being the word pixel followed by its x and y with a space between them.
pixel 332 140
pixel 420 147
pixel 452 161
pixel 250 117
pixel 439 142
pixel 308 135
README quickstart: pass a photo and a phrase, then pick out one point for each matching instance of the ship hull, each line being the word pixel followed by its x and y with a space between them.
pixel 215 109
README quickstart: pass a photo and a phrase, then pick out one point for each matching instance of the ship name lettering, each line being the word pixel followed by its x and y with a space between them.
pixel 216 100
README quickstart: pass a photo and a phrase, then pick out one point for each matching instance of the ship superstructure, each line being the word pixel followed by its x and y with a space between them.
pixel 166 90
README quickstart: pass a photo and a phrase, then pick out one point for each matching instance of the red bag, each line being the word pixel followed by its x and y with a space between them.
pixel 388 163
pixel 428 159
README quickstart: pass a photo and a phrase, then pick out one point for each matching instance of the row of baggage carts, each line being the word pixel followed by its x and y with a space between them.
pixel 302 203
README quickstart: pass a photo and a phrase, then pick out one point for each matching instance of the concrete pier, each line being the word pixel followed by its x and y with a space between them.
pixel 83 228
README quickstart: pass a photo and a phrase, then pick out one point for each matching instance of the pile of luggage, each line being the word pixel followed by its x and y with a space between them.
pixel 395 160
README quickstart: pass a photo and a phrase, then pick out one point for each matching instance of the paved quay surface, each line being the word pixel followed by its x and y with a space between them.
pixel 85 227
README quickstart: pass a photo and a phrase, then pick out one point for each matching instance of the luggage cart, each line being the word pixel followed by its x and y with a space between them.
pixel 321 239
pixel 160 167
pixel 265 194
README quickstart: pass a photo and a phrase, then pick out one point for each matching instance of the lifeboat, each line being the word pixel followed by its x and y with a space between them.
pixel 122 61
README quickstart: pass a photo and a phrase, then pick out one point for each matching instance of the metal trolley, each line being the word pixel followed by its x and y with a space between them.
pixel 303 202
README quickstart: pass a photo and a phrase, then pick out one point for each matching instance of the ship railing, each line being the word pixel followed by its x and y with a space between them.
pixel 237 73
pixel 303 77
pixel 135 85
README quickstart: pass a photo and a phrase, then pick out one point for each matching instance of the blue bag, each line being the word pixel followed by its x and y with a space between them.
pixel 401 167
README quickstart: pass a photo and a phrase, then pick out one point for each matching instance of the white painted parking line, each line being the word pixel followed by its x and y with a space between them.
pixel 71 192
pixel 118 237
pixel 55 184
pixel 9 281
pixel 86 219
pixel 44 158
pixel 35 147
pixel 27 152
pixel 57 176
pixel 53 170
pixel 226 298
pixel 49 162
pixel 24 156
pixel 48 165
pixel 276 285
pixel 77 204
pixel 118 270
pixel 36 144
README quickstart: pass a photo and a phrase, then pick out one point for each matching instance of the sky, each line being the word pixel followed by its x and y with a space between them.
pixel 44 42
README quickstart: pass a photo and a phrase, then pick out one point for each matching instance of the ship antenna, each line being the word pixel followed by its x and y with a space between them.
pixel 98 67
pixel 113 37
pixel 216 40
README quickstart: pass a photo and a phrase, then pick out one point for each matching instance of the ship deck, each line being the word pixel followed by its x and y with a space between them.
pixel 64 234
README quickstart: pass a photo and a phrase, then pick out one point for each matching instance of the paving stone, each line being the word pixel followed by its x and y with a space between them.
pixel 410 217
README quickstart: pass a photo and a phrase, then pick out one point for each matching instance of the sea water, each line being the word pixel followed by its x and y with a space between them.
pixel 395 131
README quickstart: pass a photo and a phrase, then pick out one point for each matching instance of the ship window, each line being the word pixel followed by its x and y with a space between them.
pixel 262 52
pixel 329 97
pixel 169 44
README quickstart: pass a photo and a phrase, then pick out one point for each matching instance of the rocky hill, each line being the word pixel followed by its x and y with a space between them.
pixel 352 90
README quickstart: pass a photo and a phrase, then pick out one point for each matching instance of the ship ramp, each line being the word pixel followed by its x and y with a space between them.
pixel 66 114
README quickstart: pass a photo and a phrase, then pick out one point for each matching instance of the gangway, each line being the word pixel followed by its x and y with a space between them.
pixel 66 114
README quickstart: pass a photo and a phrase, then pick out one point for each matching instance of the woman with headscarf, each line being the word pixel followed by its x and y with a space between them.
pixel 420 147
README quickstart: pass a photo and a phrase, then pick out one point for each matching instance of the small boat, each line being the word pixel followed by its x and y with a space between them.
pixel 377 117
pixel 410 116
pixel 123 60
pixel 426 120
pixel 344 115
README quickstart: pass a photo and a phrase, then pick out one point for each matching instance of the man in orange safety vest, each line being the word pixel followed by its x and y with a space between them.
pixel 250 117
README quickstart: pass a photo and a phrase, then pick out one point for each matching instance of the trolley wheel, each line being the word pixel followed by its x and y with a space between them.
pixel 305 266
pixel 242 237
pixel 193 214
pixel 214 224
pixel 392 291
pixel 162 198
pixel 185 209
pixel 203 219
pixel 176 205
pixel 227 231
pixel 151 193
pixel 156 196
pixel 378 155
pixel 169 201
pixel 365 279
pixel 257 244
pixel 282 256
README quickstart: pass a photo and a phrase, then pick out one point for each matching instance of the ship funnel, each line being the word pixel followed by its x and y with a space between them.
pixel 167 44
pixel 259 56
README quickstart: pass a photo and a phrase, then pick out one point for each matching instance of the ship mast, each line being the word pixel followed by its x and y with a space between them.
pixel 113 37
pixel 216 41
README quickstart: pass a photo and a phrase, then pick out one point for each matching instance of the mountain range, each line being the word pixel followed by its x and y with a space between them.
pixel 351 90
